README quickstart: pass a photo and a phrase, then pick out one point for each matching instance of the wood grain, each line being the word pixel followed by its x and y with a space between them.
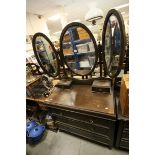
pixel 81 97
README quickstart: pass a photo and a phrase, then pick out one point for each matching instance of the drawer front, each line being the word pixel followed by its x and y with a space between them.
pixel 83 133
pixel 97 89
pixel 84 117
pixel 122 139
pixel 126 125
pixel 125 134
pixel 124 143
pixel 84 125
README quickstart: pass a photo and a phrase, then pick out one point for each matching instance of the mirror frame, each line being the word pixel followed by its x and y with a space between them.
pixel 37 57
pixel 91 36
pixel 123 40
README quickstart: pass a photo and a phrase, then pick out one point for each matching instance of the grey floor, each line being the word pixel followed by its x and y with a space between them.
pixel 61 143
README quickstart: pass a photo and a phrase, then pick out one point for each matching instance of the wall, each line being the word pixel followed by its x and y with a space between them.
pixel 126 22
pixel 34 24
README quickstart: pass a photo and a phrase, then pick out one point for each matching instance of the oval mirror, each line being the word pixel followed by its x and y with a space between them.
pixel 79 48
pixel 45 54
pixel 113 41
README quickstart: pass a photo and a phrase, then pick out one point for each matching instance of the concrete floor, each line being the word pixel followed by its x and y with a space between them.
pixel 61 143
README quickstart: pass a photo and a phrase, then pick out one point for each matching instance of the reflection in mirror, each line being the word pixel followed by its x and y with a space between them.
pixel 112 45
pixel 46 55
pixel 78 50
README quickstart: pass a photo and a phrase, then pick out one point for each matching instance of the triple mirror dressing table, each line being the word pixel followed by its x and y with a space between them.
pixel 81 99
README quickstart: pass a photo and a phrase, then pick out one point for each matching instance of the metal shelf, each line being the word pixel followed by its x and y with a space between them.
pixel 83 53
pixel 72 43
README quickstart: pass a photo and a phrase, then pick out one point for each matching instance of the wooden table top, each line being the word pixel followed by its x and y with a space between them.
pixel 81 97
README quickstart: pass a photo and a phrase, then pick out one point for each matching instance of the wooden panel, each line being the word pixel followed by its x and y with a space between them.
pixel 81 97
pixel 85 125
pixel 84 117
pixel 125 134
pixel 124 95
pixel 126 125
pixel 122 128
pixel 101 86
pixel 124 144
pixel 83 133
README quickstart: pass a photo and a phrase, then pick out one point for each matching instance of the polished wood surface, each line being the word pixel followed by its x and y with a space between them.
pixel 81 97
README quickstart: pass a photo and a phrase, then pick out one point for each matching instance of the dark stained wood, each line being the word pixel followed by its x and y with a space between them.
pixel 101 86
pixel 64 83
pixel 119 17
pixel 122 127
pixel 81 97
pixel 102 83
pixel 91 115
pixel 53 50
pixel 83 73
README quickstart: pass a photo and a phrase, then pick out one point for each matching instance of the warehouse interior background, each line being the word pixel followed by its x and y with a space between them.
pixel 50 16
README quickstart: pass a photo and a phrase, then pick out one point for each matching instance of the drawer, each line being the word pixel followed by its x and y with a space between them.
pixel 83 133
pixel 84 117
pixel 106 90
pixel 122 137
pixel 124 143
pixel 125 134
pixel 84 125
pixel 126 125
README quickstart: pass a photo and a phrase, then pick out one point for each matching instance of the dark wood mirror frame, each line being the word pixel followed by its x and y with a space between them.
pixel 123 40
pixel 83 109
pixel 91 36
pixel 37 57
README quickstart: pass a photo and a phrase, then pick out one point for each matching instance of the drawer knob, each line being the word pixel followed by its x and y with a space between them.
pixel 100 89
pixel 91 121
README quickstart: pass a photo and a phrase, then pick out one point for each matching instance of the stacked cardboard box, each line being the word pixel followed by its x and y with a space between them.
pixel 124 95
pixel 82 34
pixel 67 51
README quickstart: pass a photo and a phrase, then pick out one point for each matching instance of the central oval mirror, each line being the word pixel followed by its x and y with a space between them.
pixel 45 54
pixel 113 39
pixel 79 48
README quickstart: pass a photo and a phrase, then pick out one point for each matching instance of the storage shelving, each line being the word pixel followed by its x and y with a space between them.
pixel 71 45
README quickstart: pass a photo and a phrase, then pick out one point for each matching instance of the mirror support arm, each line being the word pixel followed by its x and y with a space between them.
pixel 62 64
pixel 99 48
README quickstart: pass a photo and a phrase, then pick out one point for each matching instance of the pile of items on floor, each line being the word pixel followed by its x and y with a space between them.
pixel 34 131
pixel 36 126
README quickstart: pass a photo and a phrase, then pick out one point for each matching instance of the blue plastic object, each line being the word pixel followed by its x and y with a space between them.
pixel 30 125
pixel 36 133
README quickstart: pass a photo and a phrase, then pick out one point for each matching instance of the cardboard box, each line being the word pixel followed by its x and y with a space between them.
pixel 67 51
pixel 82 34
pixel 124 95
pixel 82 48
